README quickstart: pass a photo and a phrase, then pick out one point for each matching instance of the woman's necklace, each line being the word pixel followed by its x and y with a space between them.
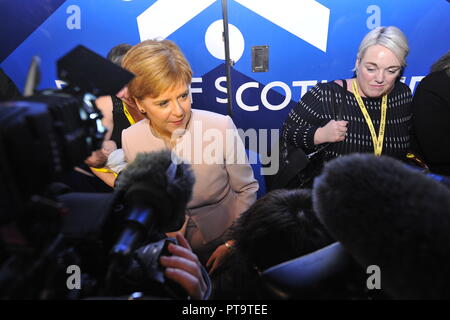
pixel 169 142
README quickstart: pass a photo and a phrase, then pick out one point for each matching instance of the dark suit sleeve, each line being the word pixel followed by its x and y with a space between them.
pixel 431 120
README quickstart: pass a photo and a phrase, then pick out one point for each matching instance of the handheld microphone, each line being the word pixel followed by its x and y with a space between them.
pixel 388 215
pixel 157 190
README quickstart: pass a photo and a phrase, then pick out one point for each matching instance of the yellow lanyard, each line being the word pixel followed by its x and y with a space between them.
pixel 131 120
pixel 127 114
pixel 377 141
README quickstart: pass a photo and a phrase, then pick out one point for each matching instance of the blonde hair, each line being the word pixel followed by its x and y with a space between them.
pixel 158 65
pixel 389 37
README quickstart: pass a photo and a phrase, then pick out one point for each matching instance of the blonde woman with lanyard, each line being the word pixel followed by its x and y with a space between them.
pixel 377 113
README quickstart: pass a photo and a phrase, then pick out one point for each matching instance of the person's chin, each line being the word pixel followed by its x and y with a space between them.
pixel 375 92
pixel 177 128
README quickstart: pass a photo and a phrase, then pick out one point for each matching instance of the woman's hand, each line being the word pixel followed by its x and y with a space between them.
pixel 218 257
pixel 184 268
pixel 97 159
pixel 333 131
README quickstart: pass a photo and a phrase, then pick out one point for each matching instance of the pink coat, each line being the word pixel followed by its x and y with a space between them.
pixel 224 187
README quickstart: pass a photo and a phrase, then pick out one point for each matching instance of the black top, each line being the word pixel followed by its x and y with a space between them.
pixel 315 110
pixel 431 121
pixel 120 121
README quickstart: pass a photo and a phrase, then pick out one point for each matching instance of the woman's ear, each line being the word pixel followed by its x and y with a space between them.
pixel 357 62
pixel 139 106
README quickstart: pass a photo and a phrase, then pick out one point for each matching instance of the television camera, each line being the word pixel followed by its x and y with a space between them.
pixel 58 244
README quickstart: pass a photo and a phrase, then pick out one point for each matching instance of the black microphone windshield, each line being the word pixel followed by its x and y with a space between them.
pixel 388 215
pixel 160 181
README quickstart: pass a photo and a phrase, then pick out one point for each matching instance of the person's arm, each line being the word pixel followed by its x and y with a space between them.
pixel 98 160
pixel 219 255
pixel 333 131
pixel 431 121
pixel 240 173
pixel 309 123
pixel 107 177
pixel 242 182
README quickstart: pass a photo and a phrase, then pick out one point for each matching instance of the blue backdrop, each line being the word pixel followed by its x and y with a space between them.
pixel 308 41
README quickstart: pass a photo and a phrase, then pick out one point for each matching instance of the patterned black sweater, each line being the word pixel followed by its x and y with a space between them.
pixel 315 110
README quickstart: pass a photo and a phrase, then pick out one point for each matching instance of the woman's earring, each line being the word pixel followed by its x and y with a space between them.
pixel 142 111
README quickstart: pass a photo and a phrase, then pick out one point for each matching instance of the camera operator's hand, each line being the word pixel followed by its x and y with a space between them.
pixel 185 268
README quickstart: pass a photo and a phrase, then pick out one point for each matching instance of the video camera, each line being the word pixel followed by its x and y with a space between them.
pixel 57 244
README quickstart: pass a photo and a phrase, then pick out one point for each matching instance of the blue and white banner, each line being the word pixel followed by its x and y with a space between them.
pixel 308 41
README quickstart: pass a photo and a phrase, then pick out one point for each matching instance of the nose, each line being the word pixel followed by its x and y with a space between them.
pixel 177 109
pixel 379 77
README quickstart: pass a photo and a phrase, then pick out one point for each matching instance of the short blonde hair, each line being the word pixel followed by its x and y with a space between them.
pixel 158 65
pixel 389 37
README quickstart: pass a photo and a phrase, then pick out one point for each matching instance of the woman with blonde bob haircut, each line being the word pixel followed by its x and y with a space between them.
pixel 391 38
pixel 369 113
pixel 223 189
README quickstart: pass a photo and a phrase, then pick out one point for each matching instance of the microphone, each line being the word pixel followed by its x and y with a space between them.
pixel 391 216
pixel 156 187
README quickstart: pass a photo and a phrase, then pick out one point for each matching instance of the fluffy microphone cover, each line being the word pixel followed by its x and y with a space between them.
pixel 391 216
pixel 147 182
